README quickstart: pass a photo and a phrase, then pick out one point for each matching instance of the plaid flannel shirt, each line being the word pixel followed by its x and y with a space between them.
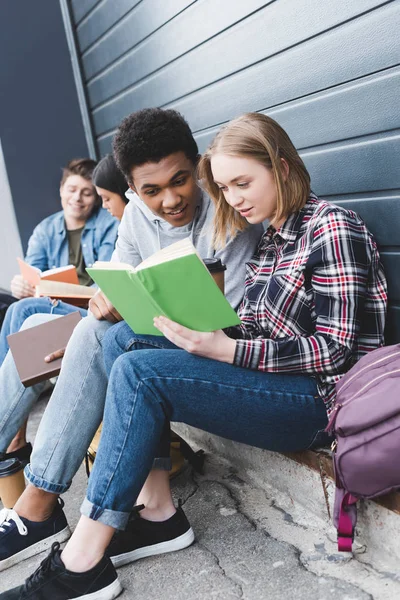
pixel 315 297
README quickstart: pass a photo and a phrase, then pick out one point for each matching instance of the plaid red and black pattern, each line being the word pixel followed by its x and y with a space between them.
pixel 315 297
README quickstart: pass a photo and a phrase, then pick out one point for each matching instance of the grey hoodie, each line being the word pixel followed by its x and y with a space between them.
pixel 141 233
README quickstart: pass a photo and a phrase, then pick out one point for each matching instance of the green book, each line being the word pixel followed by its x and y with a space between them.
pixel 173 282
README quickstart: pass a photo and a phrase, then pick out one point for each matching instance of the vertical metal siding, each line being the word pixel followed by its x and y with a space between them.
pixel 329 72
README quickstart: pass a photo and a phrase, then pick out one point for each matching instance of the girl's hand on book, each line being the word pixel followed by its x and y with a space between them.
pixel 216 345
pixel 21 288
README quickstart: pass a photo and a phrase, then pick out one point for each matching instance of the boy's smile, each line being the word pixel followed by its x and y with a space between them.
pixel 168 188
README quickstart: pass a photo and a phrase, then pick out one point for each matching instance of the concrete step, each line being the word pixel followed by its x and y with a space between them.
pixel 301 485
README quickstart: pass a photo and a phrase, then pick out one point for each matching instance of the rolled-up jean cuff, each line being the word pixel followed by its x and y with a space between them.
pixel 113 518
pixel 163 464
pixel 43 484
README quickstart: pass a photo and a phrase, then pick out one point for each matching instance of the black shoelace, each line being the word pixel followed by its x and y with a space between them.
pixel 45 567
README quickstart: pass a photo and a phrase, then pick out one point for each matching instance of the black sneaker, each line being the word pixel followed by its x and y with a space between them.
pixel 143 538
pixel 52 581
pixel 21 538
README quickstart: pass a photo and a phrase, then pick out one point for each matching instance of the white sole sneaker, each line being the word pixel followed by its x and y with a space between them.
pixel 37 548
pixel 108 593
pixel 183 541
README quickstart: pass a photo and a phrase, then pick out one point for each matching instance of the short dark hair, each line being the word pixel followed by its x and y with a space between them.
pixel 107 175
pixel 79 166
pixel 149 135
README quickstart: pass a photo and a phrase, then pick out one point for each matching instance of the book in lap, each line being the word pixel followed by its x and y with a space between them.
pixel 34 275
pixel 78 295
pixel 60 284
pixel 30 346
pixel 173 282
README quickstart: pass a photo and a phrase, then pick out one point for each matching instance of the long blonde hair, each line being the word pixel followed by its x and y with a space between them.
pixel 254 135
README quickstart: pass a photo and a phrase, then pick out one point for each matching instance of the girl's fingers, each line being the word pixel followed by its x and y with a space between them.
pixel 181 330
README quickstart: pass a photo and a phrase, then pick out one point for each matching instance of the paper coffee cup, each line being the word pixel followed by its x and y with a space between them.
pixel 217 270
pixel 12 481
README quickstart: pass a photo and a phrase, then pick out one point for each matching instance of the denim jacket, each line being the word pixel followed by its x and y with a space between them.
pixel 48 244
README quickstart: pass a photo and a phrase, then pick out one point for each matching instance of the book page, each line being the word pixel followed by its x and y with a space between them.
pixel 113 266
pixel 177 250
pixel 47 288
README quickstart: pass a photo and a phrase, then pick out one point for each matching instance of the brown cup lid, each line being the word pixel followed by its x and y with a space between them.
pixel 214 265
pixel 10 466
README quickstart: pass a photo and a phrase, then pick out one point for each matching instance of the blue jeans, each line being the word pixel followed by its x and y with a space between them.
pixel 120 339
pixel 21 310
pixel 75 409
pixel 149 388
pixel 16 401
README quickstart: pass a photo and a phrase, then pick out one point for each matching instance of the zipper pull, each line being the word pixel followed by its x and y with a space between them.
pixel 331 423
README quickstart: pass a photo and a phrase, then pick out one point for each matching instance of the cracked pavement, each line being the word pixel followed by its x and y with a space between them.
pixel 235 554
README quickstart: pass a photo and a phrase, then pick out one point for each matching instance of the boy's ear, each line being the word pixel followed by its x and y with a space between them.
pixel 131 185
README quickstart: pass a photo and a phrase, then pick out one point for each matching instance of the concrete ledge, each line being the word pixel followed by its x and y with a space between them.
pixel 321 461
pixel 302 485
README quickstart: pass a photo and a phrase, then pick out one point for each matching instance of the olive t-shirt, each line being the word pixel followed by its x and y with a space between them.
pixel 76 256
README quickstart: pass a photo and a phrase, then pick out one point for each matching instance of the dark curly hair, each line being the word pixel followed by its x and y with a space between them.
pixel 150 135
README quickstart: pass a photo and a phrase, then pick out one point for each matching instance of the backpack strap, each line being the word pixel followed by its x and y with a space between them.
pixel 346 519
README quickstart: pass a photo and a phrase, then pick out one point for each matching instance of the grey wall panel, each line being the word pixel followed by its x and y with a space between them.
pixel 364 106
pixel 391 264
pixel 80 8
pixel 392 334
pixel 298 71
pixel 368 164
pixel 202 21
pixel 101 19
pixel 142 21
pixel 104 144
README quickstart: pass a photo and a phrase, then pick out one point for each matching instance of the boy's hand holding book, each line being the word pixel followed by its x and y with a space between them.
pixel 61 283
pixel 101 308
pixel 55 355
pixel 215 344
pixel 20 288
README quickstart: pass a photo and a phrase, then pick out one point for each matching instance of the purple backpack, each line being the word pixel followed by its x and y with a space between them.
pixel 366 423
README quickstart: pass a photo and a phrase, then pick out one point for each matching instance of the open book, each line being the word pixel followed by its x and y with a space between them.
pixel 34 275
pixel 78 295
pixel 173 282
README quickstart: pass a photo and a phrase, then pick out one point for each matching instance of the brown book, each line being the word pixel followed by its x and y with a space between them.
pixel 30 346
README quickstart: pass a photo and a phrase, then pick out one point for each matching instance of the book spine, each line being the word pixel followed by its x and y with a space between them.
pixel 143 281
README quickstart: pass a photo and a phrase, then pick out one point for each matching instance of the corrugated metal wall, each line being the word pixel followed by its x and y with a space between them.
pixel 327 71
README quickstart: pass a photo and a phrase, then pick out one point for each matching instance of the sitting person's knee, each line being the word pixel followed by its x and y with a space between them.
pixel 38 319
pixel 114 343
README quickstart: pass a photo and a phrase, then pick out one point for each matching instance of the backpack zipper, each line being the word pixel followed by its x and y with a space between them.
pixel 369 366
pixel 332 420
pixel 370 383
